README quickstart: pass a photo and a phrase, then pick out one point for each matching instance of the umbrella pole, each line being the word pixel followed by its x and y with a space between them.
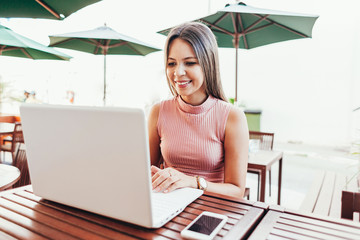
pixel 104 99
pixel 236 45
pixel 236 73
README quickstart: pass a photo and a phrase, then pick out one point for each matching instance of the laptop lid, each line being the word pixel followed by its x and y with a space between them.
pixel 92 158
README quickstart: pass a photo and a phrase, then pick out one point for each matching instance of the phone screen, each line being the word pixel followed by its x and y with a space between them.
pixel 205 224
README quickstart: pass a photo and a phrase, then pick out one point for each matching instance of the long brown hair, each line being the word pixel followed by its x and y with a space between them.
pixel 203 41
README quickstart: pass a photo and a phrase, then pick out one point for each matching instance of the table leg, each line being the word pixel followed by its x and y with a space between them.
pixel 279 184
pixel 263 183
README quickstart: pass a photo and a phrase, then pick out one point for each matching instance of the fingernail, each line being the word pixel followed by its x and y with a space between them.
pixel 165 191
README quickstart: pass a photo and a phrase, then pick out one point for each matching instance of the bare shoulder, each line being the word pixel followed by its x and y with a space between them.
pixel 155 109
pixel 236 116
pixel 154 115
pixel 236 125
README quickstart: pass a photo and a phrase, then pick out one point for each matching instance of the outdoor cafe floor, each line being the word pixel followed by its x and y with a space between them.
pixel 300 164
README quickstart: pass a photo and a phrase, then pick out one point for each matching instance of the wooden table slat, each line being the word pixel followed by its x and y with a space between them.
pixel 175 226
pixel 237 204
pixel 266 226
pixel 215 210
pixel 117 225
pixel 54 213
pixel 326 230
pixel 5 236
pixel 17 231
pixel 306 232
pixel 282 223
pixel 187 215
pixel 333 223
pixel 244 227
pixel 169 233
pixel 20 214
pixel 36 227
pixel 281 234
pixel 222 207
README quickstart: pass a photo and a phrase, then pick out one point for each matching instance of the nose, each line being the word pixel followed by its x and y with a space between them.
pixel 179 70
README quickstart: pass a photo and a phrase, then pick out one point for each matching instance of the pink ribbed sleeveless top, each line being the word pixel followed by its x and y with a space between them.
pixel 192 137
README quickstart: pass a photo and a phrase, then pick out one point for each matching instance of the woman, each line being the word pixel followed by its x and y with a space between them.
pixel 199 138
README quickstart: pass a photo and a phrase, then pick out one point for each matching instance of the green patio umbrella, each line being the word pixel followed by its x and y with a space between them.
pixel 241 26
pixel 102 41
pixel 15 45
pixel 50 9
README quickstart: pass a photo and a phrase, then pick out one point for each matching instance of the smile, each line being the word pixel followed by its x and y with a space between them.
pixel 183 83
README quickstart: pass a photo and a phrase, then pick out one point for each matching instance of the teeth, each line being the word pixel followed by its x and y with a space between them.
pixel 182 83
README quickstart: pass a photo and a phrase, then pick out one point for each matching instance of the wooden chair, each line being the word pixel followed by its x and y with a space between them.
pixel 247 193
pixel 20 161
pixel 266 143
pixel 17 137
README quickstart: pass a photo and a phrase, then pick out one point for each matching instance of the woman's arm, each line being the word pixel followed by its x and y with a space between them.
pixel 236 147
pixel 154 139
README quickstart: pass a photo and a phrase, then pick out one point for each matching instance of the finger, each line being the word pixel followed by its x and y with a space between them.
pixel 155 173
pixel 175 185
pixel 158 179
pixel 154 169
pixel 158 174
pixel 167 183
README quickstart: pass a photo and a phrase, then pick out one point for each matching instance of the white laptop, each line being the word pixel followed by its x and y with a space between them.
pixel 97 159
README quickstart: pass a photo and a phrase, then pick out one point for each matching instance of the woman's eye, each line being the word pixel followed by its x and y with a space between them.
pixel 191 63
pixel 170 64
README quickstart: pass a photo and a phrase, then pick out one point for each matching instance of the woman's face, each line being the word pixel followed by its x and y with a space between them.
pixel 185 73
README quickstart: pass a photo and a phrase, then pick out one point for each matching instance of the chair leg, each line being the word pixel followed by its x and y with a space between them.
pixel 247 193
pixel 270 182
pixel 258 188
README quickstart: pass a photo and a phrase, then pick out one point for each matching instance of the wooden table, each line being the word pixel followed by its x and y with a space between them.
pixel 24 215
pixel 9 175
pixel 262 161
pixel 280 223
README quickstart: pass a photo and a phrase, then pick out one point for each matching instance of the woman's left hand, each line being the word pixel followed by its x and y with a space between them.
pixel 169 179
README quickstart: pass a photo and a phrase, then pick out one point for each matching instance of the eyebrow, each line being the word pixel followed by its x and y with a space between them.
pixel 187 58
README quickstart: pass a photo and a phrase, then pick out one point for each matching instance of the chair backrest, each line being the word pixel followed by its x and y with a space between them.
pixel 20 161
pixel 18 136
pixel 266 139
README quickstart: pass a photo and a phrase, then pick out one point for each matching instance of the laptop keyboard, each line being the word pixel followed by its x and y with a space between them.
pixel 164 206
pixel 172 203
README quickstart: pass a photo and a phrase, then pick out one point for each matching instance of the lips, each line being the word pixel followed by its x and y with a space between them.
pixel 183 83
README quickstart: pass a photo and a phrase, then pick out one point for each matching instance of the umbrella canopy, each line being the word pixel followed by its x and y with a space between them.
pixel 102 41
pixel 50 9
pixel 241 26
pixel 15 45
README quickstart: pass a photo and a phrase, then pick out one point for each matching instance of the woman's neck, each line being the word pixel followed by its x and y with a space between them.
pixel 194 101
